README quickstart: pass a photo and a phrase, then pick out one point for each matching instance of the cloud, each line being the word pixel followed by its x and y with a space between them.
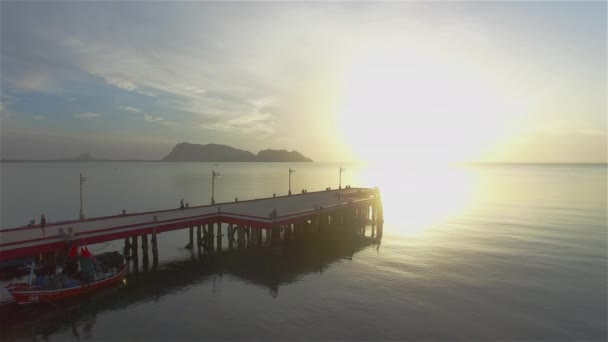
pixel 130 109
pixel 86 116
pixel 34 81
pixel 155 119
pixel 260 123
pixel 39 117
pixel 120 83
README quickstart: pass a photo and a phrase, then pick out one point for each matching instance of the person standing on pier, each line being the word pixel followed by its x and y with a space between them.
pixel 181 204
pixel 42 224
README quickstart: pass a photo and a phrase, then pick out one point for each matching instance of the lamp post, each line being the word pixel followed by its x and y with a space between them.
pixel 213 175
pixel 83 180
pixel 290 172
pixel 340 181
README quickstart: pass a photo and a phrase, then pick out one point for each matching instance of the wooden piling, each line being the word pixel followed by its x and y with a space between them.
pixel 134 247
pixel 127 247
pixel 154 251
pixel 144 251
pixel 240 232
pixel 191 238
pixel 198 236
pixel 219 236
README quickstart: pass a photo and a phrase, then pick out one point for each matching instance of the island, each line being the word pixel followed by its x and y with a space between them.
pixel 187 152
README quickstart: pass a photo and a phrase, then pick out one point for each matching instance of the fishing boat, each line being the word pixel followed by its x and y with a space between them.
pixel 93 275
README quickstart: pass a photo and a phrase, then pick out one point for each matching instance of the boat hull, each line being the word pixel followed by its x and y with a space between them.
pixel 27 296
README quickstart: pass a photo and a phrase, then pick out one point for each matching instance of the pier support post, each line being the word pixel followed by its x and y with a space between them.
pixel 144 251
pixel 205 238
pixel 230 236
pixel 219 236
pixel 248 234
pixel 198 236
pixel 373 210
pixel 134 254
pixel 240 232
pixel 260 237
pixel 134 247
pixel 380 216
pixel 275 235
pixel 154 251
pixel 211 234
pixel 287 234
pixel 126 248
pixel 191 238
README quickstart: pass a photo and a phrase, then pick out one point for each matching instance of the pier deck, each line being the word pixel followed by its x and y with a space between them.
pixel 29 240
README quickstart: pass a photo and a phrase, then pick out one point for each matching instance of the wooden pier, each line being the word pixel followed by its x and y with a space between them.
pixel 251 222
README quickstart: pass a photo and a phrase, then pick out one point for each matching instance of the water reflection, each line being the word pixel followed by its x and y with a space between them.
pixel 416 196
pixel 261 266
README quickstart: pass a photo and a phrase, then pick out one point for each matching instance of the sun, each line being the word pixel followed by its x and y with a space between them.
pixel 402 106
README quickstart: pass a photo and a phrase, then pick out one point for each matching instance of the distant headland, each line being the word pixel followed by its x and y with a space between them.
pixel 186 152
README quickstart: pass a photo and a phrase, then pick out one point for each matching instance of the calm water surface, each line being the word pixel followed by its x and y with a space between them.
pixel 471 252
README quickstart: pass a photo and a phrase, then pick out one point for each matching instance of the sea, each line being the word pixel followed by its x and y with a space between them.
pixel 479 252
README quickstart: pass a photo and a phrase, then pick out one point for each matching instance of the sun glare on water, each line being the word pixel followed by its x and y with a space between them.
pixel 415 197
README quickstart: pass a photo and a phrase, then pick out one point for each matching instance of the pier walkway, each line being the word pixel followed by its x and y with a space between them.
pixel 264 213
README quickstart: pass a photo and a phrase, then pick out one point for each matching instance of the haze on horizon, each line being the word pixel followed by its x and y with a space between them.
pixel 434 81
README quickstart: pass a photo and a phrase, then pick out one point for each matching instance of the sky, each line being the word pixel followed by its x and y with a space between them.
pixel 341 81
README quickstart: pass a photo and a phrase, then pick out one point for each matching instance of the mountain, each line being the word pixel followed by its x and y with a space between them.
pixel 87 157
pixel 186 152
pixel 281 156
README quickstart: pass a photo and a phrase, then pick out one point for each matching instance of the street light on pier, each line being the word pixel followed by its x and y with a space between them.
pixel 290 172
pixel 83 180
pixel 340 181
pixel 213 176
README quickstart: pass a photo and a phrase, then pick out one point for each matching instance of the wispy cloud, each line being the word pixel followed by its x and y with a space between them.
pixel 86 116
pixel 261 123
pixel 34 81
pixel 130 109
pixel 39 117
pixel 155 119
pixel 120 83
